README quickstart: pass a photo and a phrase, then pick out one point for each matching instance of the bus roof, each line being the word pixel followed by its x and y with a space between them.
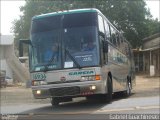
pixel 66 12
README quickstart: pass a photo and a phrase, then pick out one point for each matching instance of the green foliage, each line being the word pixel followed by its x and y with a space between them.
pixel 130 16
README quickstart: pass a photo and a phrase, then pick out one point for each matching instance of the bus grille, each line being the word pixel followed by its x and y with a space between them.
pixel 65 91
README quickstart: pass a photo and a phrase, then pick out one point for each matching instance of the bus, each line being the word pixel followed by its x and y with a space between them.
pixel 78 53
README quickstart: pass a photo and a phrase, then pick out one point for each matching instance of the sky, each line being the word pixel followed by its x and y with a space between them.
pixel 10 11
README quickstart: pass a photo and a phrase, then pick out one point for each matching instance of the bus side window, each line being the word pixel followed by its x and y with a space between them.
pixel 118 40
pixel 101 27
pixel 107 31
pixel 113 35
pixel 102 39
pixel 126 48
pixel 121 42
pixel 129 51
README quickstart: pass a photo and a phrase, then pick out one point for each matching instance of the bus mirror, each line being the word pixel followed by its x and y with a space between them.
pixel 21 42
pixel 25 41
pixel 105 46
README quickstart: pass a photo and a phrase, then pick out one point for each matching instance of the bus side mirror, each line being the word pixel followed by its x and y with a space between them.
pixel 105 47
pixel 21 42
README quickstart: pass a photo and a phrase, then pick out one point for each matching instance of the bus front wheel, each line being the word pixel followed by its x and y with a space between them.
pixel 54 102
pixel 108 96
pixel 110 90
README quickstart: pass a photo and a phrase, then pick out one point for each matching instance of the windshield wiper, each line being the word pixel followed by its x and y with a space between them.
pixel 73 59
pixel 50 61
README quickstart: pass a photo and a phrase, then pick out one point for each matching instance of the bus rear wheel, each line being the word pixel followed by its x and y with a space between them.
pixel 128 90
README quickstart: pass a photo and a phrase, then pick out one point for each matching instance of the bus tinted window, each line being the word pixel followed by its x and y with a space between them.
pixel 107 30
pixel 101 25
pixel 79 20
pixel 63 21
pixel 121 42
pixel 113 35
pixel 76 33
pixel 126 48
pixel 45 24
pixel 118 39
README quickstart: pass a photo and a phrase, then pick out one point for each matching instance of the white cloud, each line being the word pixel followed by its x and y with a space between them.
pixel 154 6
pixel 9 11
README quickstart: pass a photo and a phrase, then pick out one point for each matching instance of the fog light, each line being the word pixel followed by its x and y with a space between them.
pixel 93 87
pixel 38 92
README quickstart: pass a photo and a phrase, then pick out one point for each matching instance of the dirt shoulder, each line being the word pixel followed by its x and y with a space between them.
pixel 19 95
pixel 145 87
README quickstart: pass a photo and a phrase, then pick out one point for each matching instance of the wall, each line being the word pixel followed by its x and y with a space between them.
pixel 5 40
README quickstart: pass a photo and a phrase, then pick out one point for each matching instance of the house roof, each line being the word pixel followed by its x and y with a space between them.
pixel 151 37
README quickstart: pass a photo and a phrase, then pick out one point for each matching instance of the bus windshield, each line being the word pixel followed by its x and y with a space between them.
pixel 64 41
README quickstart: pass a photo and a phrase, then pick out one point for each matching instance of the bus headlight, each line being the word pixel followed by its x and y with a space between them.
pixel 89 78
pixel 86 78
pixel 43 83
pixel 36 83
pixel 38 92
pixel 93 87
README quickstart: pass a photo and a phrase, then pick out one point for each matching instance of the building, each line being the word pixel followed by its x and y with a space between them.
pixel 5 41
pixel 147 59
pixel 9 63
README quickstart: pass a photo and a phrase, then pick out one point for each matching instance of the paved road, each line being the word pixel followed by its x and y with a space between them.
pixel 139 105
pixel 144 100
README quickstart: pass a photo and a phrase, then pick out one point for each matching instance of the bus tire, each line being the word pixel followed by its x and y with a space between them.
pixel 110 90
pixel 129 88
pixel 54 102
pixel 108 96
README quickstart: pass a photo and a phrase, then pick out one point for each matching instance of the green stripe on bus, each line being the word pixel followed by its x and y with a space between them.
pixel 61 13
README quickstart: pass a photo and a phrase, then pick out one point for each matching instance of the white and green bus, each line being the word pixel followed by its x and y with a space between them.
pixel 92 58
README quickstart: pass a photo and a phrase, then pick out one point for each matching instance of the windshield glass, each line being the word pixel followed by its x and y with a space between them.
pixel 52 36
pixel 45 50
pixel 85 49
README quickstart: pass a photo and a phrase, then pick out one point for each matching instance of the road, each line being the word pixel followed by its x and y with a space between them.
pixel 119 105
pixel 145 99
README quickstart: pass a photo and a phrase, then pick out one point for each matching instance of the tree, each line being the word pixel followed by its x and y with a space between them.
pixel 132 17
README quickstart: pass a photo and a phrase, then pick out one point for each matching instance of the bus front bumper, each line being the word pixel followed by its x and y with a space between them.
pixel 69 89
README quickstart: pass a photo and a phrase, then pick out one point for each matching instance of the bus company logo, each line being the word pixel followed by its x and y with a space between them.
pixel 81 73
pixel 63 79
pixel 39 76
